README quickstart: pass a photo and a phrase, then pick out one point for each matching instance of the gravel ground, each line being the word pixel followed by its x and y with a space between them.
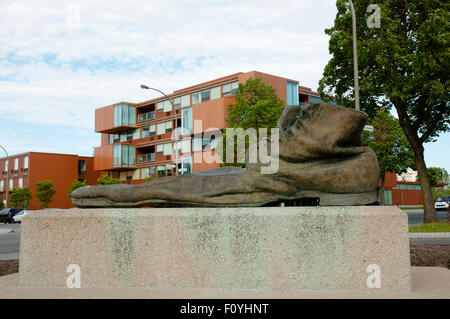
pixel 421 255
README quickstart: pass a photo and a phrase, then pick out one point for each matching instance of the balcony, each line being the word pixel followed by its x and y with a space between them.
pixel 146 116
pixel 146 158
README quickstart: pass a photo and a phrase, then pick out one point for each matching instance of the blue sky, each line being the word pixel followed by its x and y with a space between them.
pixel 60 60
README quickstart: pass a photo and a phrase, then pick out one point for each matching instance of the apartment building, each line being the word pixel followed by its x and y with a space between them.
pixel 26 169
pixel 136 138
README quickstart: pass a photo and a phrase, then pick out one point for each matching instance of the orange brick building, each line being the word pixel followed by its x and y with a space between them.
pixel 26 169
pixel 136 138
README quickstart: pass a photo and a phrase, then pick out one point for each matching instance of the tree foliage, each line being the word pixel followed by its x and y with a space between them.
pixel 403 64
pixel 106 180
pixel 75 184
pixel 390 144
pixel 256 106
pixel 20 197
pixel 437 175
pixel 45 192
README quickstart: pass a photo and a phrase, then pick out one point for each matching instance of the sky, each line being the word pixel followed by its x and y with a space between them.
pixel 60 60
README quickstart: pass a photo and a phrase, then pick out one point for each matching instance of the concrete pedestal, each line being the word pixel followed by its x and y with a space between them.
pixel 277 248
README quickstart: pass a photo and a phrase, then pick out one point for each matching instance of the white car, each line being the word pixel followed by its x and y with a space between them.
pixel 441 204
pixel 18 217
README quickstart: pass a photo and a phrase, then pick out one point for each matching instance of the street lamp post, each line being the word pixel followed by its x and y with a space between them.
pixel 7 177
pixel 355 56
pixel 143 86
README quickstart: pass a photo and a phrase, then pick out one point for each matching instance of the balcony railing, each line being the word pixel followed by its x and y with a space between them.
pixel 146 158
pixel 146 116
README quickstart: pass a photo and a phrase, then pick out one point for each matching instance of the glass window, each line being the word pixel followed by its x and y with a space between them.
pixel 196 144
pixel 136 134
pixel 169 127
pixel 152 171
pixel 161 128
pixel 159 149
pixel 185 146
pixel 160 107
pixel 226 89
pixel 145 131
pixel 11 184
pixel 124 114
pixel 2 186
pixel 145 172
pixel 196 97
pixel 177 102
pixel 185 100
pixel 206 94
pixel 25 164
pixel 186 165
pixel 167 149
pixel 81 167
pixel 167 106
pixel 124 155
pixel 169 169
pixel 161 170
pixel 186 120
pixel 16 164
pixel 20 182
pixel 136 174
pixel 234 87
pixel 152 130
pixel 215 93
pixel 292 93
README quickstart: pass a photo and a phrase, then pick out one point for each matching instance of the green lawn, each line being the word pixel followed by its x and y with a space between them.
pixel 431 228
pixel 416 207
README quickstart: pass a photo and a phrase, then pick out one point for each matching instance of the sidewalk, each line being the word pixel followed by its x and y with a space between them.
pixel 429 235
pixel 427 282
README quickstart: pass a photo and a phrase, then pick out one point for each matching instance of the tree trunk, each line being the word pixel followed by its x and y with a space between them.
pixel 382 176
pixel 429 212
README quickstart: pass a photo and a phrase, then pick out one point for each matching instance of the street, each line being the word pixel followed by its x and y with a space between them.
pixel 10 242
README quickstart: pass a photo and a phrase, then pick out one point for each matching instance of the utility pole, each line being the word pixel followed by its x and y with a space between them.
pixel 7 177
pixel 355 56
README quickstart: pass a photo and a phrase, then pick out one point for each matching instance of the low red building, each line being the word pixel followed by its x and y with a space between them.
pixel 26 169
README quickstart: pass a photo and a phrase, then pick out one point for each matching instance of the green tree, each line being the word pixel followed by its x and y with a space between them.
pixel 20 197
pixel 256 105
pixel 75 184
pixel 45 192
pixel 403 64
pixel 149 179
pixel 437 175
pixel 106 180
pixel 391 146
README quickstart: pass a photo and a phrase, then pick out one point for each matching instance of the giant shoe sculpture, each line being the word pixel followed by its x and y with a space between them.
pixel 320 156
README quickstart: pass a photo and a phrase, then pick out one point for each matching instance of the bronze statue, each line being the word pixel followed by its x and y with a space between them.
pixel 320 156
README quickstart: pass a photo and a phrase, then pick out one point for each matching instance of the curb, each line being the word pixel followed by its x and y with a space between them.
pixel 5 231
pixel 429 235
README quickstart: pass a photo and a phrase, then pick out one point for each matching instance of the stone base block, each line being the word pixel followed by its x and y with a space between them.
pixel 298 248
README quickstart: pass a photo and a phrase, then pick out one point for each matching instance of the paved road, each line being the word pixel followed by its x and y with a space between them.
pixel 10 242
pixel 415 216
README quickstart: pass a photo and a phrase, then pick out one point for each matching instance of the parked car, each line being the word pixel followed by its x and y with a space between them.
pixel 17 218
pixel 446 198
pixel 6 215
pixel 441 204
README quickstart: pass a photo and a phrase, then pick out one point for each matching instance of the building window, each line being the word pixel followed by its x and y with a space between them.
pixel 186 165
pixel 215 93
pixel 185 100
pixel 25 164
pixel 206 95
pixel 20 182
pixel 167 148
pixel 169 127
pixel 16 166
pixel 177 102
pixel 167 106
pixel 2 186
pixel 186 120
pixel 124 155
pixel 196 97
pixel 81 167
pixel 161 170
pixel 11 185
pixel 230 88
pixel 124 114
pixel 161 128
pixel 159 107
pixel 292 93
pixel 114 138
pixel 159 149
